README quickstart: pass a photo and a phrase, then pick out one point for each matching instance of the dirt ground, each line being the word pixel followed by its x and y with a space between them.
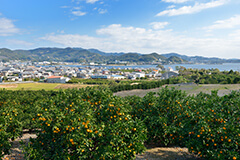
pixel 9 86
pixel 71 86
pixel 16 150
pixel 165 153
pixel 191 89
pixel 154 153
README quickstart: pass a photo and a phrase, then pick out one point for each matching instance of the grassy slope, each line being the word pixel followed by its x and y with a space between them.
pixel 189 89
pixel 40 86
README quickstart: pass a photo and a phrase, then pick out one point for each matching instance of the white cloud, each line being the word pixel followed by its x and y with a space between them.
pixel 235 35
pixel 225 24
pixel 175 1
pixel 18 42
pixel 119 33
pixel 87 1
pixel 158 25
pixel 73 40
pixel 78 5
pixel 102 11
pixel 76 8
pixel 91 1
pixel 65 7
pixel 116 38
pixel 60 31
pixel 198 7
pixel 7 27
pixel 78 13
pixel 171 7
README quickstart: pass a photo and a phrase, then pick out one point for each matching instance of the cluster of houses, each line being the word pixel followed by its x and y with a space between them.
pixel 22 71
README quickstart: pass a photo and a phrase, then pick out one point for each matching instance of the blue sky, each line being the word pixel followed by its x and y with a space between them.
pixel 191 27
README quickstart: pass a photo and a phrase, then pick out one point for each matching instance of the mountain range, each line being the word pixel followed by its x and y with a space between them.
pixel 94 55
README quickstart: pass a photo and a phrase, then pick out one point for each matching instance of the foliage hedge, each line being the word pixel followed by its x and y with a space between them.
pixel 198 76
pixel 210 76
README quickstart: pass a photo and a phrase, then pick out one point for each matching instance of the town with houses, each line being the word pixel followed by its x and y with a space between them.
pixel 46 72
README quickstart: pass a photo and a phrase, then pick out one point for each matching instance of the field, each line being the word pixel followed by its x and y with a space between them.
pixel 191 89
pixel 40 86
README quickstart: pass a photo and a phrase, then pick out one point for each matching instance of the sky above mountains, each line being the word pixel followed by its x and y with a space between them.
pixel 192 27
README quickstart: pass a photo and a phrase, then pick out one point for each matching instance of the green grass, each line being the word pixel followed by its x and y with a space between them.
pixel 189 89
pixel 208 88
pixel 40 86
pixel 35 86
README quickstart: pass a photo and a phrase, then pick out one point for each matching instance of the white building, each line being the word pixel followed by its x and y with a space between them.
pixel 140 75
pixel 82 75
pixel 169 74
pixel 118 77
pixel 57 79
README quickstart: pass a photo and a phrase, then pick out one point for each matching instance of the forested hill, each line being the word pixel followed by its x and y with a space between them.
pixel 200 59
pixel 82 55
pixel 94 55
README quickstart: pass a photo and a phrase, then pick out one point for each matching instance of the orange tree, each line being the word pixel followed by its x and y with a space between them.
pixel 29 104
pixel 10 127
pixel 215 133
pixel 86 124
pixel 160 114
pixel 17 109
pixel 26 103
pixel 208 125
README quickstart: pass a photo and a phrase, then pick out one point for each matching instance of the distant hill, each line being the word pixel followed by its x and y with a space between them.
pixel 200 59
pixel 66 54
pixel 176 55
pixel 175 59
pixel 81 55
pixel 51 54
pixel 104 53
pixel 93 55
